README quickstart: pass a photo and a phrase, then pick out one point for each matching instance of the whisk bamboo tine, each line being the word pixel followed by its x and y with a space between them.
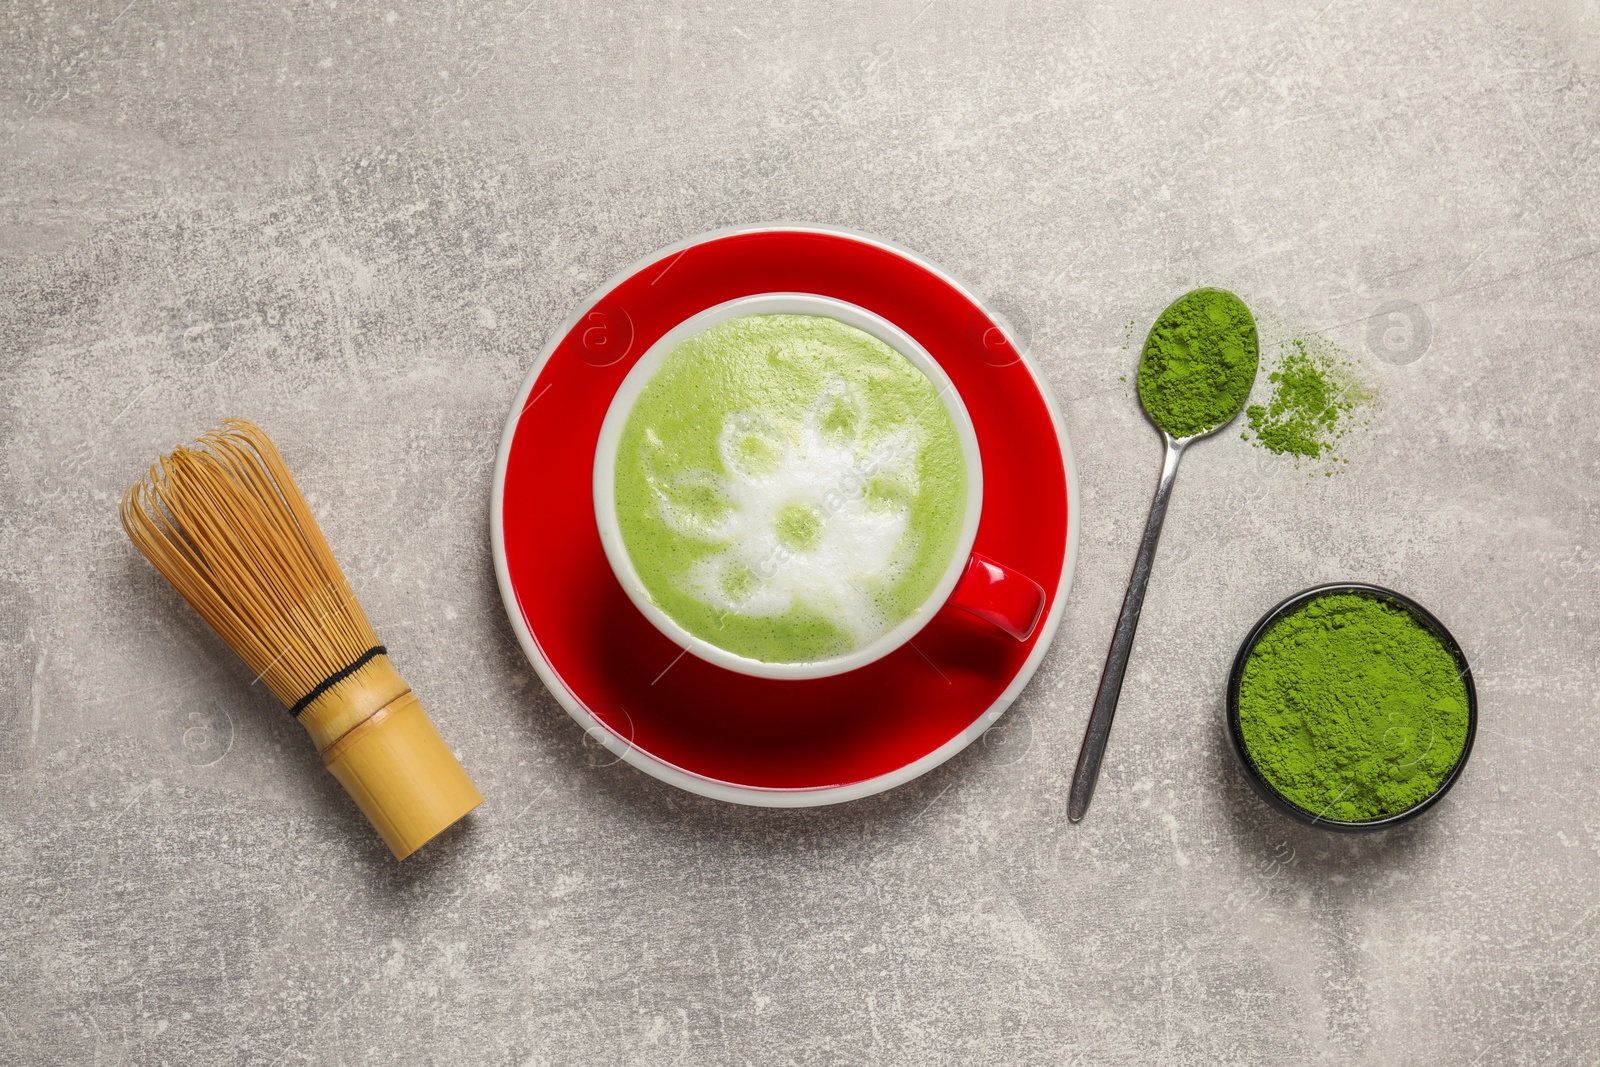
pixel 225 523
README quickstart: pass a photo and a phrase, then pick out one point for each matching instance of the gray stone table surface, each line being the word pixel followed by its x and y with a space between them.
pixel 358 223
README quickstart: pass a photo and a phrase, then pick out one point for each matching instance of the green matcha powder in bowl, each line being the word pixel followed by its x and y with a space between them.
pixel 1351 708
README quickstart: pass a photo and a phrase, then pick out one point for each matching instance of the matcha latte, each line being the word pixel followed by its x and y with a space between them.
pixel 789 488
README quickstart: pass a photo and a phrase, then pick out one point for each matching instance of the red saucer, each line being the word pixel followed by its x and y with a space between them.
pixel 727 735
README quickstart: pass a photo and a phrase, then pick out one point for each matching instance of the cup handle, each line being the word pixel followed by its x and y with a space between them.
pixel 1000 596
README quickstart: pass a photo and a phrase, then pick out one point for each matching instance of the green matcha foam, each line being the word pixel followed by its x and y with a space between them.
pixel 789 488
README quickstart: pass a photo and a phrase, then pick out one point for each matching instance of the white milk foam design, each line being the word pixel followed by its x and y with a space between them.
pixel 860 541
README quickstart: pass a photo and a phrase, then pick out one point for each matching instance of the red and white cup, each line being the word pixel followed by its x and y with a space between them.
pixel 1011 602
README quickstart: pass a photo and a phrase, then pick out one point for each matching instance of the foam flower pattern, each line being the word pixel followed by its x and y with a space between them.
pixel 818 520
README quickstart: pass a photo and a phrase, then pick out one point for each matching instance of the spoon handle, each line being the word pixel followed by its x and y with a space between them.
pixel 1105 699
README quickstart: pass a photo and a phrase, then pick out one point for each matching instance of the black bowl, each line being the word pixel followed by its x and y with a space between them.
pixel 1236 736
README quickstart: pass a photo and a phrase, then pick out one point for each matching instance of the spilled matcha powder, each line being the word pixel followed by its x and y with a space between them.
pixel 1199 362
pixel 1352 708
pixel 1315 401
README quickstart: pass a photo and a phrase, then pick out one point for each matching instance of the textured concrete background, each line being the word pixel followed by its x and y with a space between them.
pixel 357 224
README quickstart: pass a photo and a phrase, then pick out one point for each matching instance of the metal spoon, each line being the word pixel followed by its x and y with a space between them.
pixel 1105 698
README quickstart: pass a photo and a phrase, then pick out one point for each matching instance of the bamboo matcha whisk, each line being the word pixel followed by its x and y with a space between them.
pixel 225 523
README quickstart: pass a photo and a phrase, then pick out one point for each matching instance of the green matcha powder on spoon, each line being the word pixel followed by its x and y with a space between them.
pixel 1195 374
